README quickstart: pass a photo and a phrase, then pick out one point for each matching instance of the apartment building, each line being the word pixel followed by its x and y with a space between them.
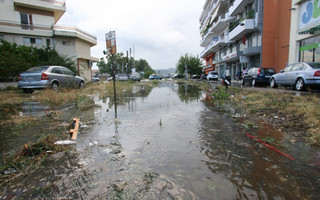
pixel 33 23
pixel 305 31
pixel 238 34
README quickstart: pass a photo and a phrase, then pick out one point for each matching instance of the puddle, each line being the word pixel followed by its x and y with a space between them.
pixel 167 143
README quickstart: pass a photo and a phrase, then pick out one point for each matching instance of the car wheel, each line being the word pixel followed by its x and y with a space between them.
pixel 299 84
pixel 253 82
pixel 81 85
pixel 273 83
pixel 28 91
pixel 55 86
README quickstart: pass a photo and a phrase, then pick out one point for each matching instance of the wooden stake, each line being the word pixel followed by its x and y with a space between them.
pixel 74 131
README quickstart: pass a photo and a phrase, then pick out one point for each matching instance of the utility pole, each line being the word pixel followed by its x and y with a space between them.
pixel 186 67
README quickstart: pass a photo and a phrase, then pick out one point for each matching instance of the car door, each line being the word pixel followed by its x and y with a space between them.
pixel 69 77
pixel 57 75
pixel 283 77
pixel 294 73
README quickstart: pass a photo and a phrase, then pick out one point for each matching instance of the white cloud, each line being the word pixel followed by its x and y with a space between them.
pixel 161 30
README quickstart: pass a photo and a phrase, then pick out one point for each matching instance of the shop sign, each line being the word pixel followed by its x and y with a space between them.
pixel 309 14
pixel 229 56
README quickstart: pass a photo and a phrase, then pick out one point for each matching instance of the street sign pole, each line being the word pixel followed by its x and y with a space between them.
pixel 112 49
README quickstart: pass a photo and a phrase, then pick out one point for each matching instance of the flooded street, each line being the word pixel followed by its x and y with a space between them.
pixel 165 142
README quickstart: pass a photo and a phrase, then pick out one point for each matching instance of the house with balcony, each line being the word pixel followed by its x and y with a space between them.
pixel 34 23
pixel 238 34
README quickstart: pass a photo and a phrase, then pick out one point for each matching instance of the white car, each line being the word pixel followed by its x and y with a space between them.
pixel 212 76
pixel 122 77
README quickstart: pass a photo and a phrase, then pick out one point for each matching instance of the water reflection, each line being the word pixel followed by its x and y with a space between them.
pixel 188 92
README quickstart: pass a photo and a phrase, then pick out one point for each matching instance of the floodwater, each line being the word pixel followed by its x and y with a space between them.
pixel 167 143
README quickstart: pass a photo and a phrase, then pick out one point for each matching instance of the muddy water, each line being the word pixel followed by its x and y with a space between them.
pixel 166 143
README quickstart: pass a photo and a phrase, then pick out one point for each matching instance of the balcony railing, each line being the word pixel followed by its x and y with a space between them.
pixel 243 27
pixel 249 51
pixel 25 26
pixel 16 27
pixel 239 6
pixel 35 2
pixel 74 29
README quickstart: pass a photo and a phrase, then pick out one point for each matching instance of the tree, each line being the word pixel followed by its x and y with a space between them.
pixel 193 64
pixel 124 65
pixel 104 67
pixel 15 59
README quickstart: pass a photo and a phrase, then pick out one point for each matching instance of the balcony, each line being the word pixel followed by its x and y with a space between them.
pixel 239 6
pixel 250 51
pixel 244 27
pixel 218 7
pixel 25 29
pixel 71 31
pixel 58 7
pixel 216 44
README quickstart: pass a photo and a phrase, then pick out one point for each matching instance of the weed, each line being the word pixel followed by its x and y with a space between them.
pixel 268 140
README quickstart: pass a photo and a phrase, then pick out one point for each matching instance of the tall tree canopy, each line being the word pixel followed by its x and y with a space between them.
pixel 191 62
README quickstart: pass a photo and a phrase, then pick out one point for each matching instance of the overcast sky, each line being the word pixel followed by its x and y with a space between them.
pixel 160 30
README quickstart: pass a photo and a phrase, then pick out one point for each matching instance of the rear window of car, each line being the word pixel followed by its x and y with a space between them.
pixel 37 69
pixel 269 71
pixel 315 65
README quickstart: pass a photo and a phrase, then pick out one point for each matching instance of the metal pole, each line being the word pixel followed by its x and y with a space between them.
pixel 114 86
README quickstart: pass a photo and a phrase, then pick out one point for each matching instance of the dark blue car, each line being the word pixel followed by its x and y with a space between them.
pixel 258 76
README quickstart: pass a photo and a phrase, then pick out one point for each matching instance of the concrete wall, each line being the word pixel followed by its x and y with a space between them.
pixel 276 34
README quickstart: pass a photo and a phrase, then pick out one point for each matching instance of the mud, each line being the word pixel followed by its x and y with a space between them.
pixel 167 143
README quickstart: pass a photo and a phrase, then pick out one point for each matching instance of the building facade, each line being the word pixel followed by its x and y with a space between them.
pixel 239 34
pixel 305 31
pixel 33 23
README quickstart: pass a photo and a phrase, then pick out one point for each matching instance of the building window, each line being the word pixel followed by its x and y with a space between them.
pixel 309 50
pixel 66 43
pixel 28 40
pixel 39 41
pixel 48 42
pixel 26 21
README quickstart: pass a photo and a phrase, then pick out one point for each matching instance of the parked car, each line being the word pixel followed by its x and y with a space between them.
pixel 204 77
pixel 54 77
pixel 196 76
pixel 258 75
pixel 212 76
pixel 135 77
pixel 155 77
pixel 178 76
pixel 122 77
pixel 95 79
pixel 298 75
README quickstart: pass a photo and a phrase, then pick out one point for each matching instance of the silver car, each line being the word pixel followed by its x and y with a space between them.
pixel 54 77
pixel 298 75
pixel 212 76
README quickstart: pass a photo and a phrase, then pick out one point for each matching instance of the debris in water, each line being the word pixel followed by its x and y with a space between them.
pixel 236 115
pixel 65 142
pixel 75 128
pixel 93 143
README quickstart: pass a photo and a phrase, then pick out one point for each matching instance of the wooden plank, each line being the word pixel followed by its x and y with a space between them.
pixel 75 129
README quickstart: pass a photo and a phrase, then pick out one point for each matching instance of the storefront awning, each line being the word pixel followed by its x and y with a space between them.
pixel 310 30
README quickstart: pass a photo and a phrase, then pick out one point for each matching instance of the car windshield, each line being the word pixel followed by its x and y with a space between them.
pixel 37 69
pixel 315 65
